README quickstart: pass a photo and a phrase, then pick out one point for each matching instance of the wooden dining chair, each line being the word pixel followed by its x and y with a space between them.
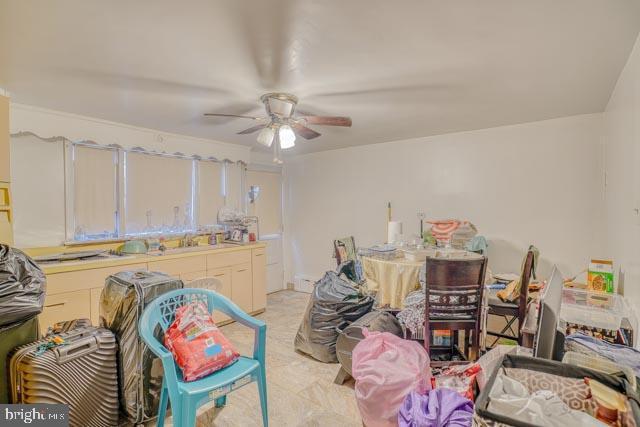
pixel 453 302
pixel 513 311
pixel 344 249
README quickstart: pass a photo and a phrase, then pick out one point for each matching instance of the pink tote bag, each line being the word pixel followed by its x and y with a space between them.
pixel 387 368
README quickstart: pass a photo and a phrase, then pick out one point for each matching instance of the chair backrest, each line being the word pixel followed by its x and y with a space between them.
pixel 454 287
pixel 528 267
pixel 163 308
pixel 345 249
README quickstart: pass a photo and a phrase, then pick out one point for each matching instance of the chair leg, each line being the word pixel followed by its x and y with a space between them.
pixel 176 411
pixel 262 389
pixel 427 338
pixel 475 346
pixel 341 377
pixel 221 402
pixel 188 415
pixel 162 408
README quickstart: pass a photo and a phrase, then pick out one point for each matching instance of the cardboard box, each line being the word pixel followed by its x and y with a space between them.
pixel 600 276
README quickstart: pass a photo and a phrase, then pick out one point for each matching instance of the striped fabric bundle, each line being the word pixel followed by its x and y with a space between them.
pixel 442 230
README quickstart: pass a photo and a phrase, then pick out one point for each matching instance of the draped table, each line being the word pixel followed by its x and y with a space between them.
pixel 394 279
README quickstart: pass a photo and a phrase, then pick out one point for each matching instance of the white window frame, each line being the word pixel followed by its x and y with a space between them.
pixel 69 171
pixel 120 161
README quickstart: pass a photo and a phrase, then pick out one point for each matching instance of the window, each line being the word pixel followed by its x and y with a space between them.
pixel 234 196
pixel 210 192
pixel 68 191
pixel 159 194
pixel 38 184
pixel 95 195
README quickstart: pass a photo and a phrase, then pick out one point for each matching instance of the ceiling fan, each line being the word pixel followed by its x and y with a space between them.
pixel 281 124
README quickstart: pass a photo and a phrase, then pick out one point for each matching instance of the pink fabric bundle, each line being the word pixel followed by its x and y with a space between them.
pixel 387 368
pixel 442 230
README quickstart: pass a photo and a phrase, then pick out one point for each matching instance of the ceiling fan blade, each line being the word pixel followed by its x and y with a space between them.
pixel 231 115
pixel 145 84
pixel 328 120
pixel 252 129
pixel 380 89
pixel 304 131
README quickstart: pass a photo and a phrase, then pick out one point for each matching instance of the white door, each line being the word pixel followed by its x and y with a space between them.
pixel 268 208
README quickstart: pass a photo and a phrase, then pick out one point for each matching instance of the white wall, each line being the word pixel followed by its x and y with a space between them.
pixel 622 154
pixel 535 183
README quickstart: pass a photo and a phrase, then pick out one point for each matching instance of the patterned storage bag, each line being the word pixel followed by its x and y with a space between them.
pixel 197 345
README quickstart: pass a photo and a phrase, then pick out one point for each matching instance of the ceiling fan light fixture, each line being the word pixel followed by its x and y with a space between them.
pixel 276 154
pixel 287 137
pixel 266 136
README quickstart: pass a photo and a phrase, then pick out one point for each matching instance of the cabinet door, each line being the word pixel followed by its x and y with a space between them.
pixel 224 275
pixel 259 273
pixel 65 306
pixel 5 173
pixel 95 305
pixel 241 288
pixel 179 266
pixel 188 277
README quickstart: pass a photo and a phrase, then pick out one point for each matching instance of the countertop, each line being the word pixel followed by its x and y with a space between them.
pixel 172 253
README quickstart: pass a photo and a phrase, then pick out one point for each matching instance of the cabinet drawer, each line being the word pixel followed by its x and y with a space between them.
pixel 241 287
pixel 224 275
pixel 178 266
pixel 65 306
pixel 259 251
pixel 227 259
pixel 85 279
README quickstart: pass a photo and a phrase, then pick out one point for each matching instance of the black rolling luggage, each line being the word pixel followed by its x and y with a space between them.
pixel 12 336
pixel 123 299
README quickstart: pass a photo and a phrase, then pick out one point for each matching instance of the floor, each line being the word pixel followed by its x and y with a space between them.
pixel 300 392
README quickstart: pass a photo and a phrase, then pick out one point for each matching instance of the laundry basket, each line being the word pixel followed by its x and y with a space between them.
pixel 600 364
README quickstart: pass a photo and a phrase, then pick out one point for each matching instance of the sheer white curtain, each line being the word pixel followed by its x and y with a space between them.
pixel 95 197
pixel 234 197
pixel 210 192
pixel 158 193
pixel 37 187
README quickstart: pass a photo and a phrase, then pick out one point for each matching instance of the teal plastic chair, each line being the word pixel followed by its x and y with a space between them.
pixel 186 397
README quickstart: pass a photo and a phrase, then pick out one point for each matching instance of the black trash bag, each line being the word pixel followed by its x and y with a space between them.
pixel 334 304
pixel 350 271
pixel 22 286
pixel 350 336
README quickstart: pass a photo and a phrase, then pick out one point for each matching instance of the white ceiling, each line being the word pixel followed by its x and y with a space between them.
pixel 399 69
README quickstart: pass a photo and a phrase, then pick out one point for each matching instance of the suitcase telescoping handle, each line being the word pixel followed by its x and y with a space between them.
pixel 76 349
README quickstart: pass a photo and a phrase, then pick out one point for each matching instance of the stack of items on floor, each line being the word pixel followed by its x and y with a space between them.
pixel 396 386
pixel 22 292
pixel 105 374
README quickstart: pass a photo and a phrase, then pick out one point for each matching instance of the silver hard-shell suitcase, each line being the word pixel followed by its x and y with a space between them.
pixel 81 373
